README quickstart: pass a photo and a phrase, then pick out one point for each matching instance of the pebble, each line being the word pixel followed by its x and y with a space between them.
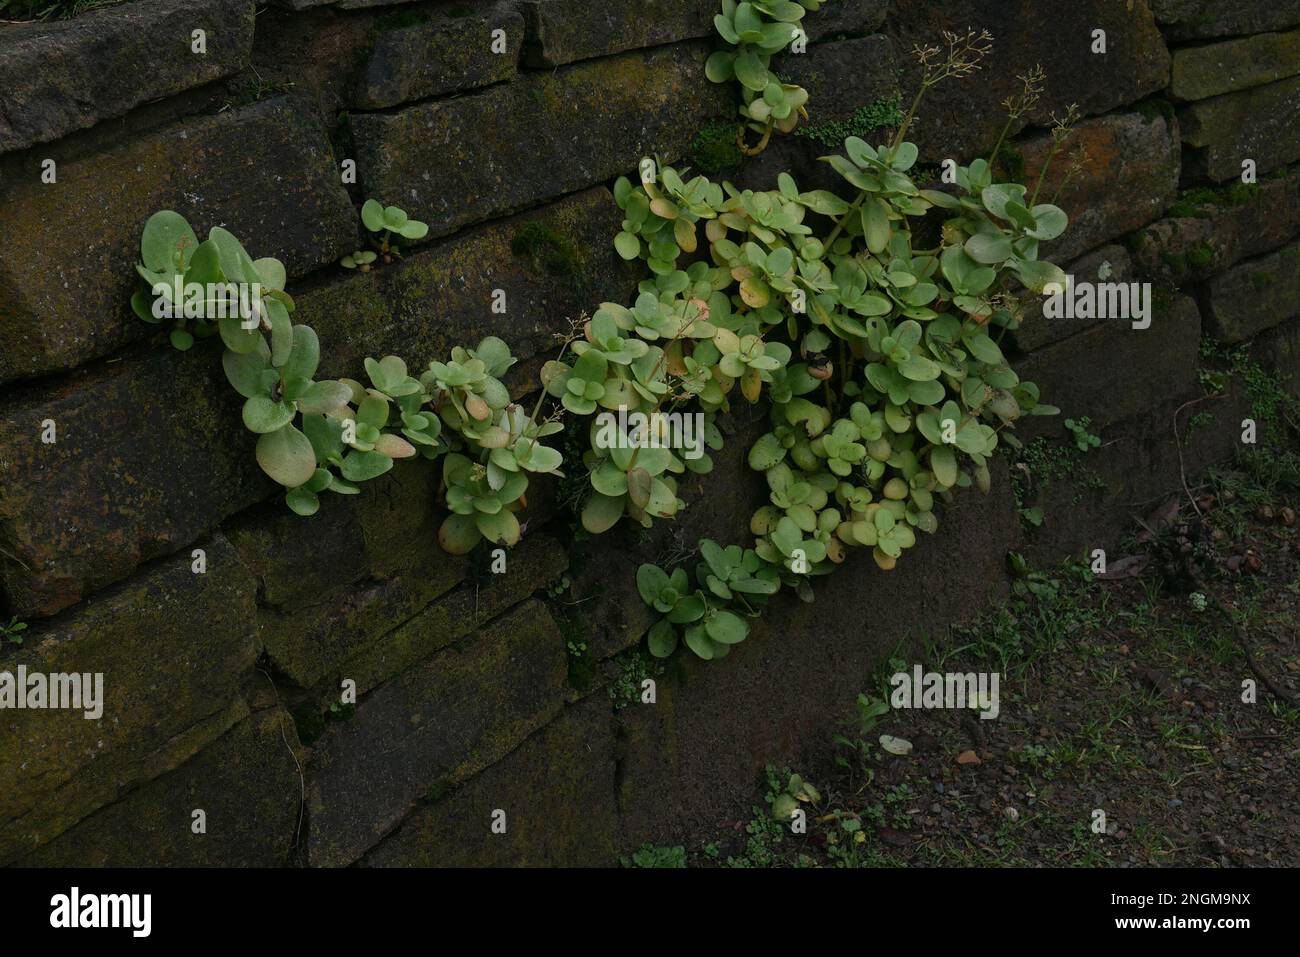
pixel 1011 813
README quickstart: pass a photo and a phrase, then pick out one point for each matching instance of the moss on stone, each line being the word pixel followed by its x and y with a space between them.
pixel 1200 255
pixel 714 148
pixel 882 114
pixel 1199 202
pixel 549 250
pixel 1157 108
pixel 1261 279
pixel 633 667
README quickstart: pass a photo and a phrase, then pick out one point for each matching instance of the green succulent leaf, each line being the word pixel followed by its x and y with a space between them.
pixel 287 456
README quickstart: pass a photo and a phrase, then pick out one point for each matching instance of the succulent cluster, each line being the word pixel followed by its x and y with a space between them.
pixel 755 31
pixel 385 223
pixel 889 392
pixel 890 389
pixel 331 435
pixel 712 613
pixel 209 287
pixel 879 361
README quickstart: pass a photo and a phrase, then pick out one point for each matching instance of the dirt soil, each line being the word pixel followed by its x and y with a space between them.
pixel 1120 694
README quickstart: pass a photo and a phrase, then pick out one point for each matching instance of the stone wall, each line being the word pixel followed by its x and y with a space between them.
pixel 145 544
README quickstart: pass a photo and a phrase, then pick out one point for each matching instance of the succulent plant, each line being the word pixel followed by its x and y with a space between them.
pixel 887 385
pixel 390 220
pixel 709 631
pixel 758 29
pixel 480 508
pixel 797 791
pixel 361 260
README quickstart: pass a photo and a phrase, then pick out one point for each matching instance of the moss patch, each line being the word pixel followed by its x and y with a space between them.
pixel 714 148
pixel 550 251
pixel 882 114
pixel 1199 203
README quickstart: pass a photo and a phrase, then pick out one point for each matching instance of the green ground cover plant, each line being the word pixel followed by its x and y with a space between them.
pixel 879 361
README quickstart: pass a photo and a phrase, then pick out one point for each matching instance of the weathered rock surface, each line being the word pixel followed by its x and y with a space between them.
pixel 1095 499
pixel 1112 371
pixel 248 785
pixel 1200 72
pixel 1260 124
pixel 379 627
pixel 352 537
pixel 1279 348
pixel 841 76
pixel 845 18
pixel 552 264
pixel 563 31
pixel 1201 19
pixel 465 159
pixel 150 454
pixel 962 118
pixel 173 647
pixel 1129 178
pixel 443 54
pixel 440 723
pixel 1239 222
pixel 697 754
pixel 264 172
pixel 66 76
pixel 1255 295
pixel 1109 264
pixel 557 791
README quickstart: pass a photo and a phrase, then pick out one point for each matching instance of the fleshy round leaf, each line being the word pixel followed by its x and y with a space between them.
pixel 264 415
pixel 286 455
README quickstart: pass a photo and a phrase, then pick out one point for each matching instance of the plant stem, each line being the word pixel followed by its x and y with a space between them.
pixel 1011 118
pixel 911 114
pixel 541 396
pixel 1064 183
pixel 1042 174
pixel 839 226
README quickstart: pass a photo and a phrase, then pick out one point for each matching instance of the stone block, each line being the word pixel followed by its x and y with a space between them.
pixel 1129 178
pixel 440 723
pixel 439 55
pixel 149 454
pixel 1112 371
pixel 556 789
pixel 462 160
pixel 1209 231
pixel 1254 295
pixel 1204 19
pixel 173 648
pixel 1260 124
pixel 1200 72
pixel 248 784
pixel 64 76
pixel 963 117
pixel 265 172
